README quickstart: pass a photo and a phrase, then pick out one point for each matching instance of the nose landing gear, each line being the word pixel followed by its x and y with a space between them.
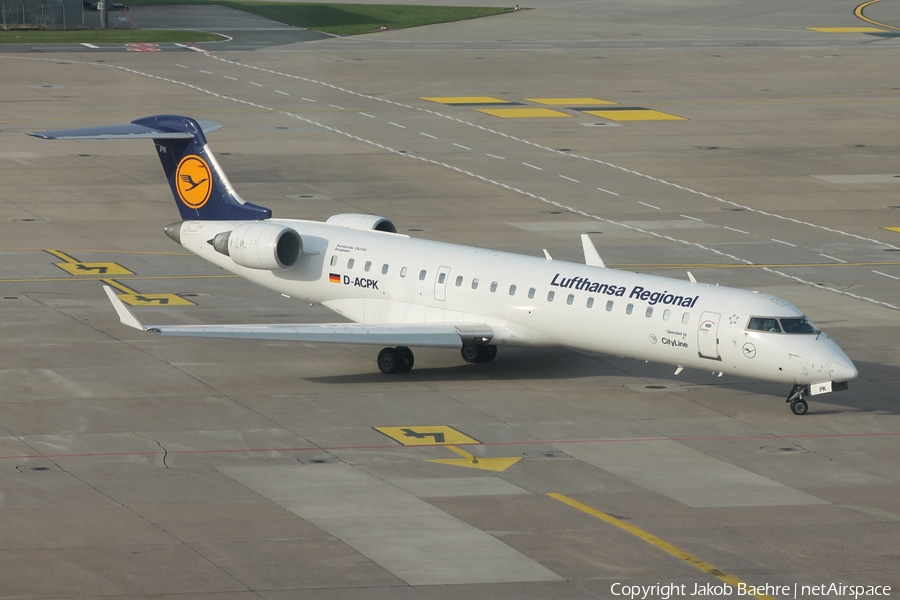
pixel 797 399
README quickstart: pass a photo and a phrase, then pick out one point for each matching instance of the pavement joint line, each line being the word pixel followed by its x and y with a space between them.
pixel 62 256
pixel 655 541
pixel 398 446
pixel 598 161
pixel 492 181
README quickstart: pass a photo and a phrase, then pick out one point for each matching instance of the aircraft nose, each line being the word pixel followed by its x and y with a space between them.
pixel 841 367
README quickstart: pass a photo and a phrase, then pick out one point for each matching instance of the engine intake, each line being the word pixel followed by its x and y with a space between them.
pixel 260 246
pixel 360 221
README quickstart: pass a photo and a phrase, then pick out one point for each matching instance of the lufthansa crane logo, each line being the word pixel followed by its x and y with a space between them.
pixel 193 180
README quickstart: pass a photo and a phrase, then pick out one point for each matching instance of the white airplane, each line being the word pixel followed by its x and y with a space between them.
pixel 400 291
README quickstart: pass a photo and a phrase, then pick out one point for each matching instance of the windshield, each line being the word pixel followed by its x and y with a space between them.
pixel 789 325
pixel 800 325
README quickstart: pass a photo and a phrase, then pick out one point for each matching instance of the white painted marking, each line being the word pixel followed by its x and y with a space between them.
pixel 607 191
pixel 532 166
pixel 89 45
pixel 738 230
pixel 182 66
pixel 785 243
pixel 569 178
pixel 689 217
pixel 397 125
pixel 366 115
pixel 650 205
pixel 231 78
pixel 256 84
pixel 495 156
pixel 427 135
pixel 336 106
pixel 282 93
pixel 833 258
pixel 207 72
pixel 307 99
pixel 885 274
pixel 461 146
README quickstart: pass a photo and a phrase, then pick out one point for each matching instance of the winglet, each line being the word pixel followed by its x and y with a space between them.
pixel 125 315
pixel 591 256
pixel 691 277
pixel 547 255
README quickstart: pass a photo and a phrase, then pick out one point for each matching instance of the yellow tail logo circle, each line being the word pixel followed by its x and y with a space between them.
pixel 193 180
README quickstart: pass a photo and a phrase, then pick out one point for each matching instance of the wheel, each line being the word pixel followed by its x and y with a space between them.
pixel 488 353
pixel 470 352
pixel 388 360
pixel 406 359
pixel 799 407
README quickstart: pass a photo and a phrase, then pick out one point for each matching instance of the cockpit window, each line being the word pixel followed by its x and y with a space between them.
pixel 764 324
pixel 801 325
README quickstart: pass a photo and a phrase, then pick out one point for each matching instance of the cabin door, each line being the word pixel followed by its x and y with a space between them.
pixel 708 336
pixel 440 284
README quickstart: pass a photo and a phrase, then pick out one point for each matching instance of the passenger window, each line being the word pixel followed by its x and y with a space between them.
pixel 475 284
pixel 570 299
pixel 334 260
pixel 350 263
pixel 685 318
pixel 649 312
pixel 666 314
pixel 764 324
pixel 609 305
pixel 512 290
pixel 459 281
pixel 422 275
pixel 531 293
pixel 550 296
pixel 442 277
pixel 493 286
pixel 384 269
pixel 403 272
pixel 590 302
pixel 629 309
pixel 368 265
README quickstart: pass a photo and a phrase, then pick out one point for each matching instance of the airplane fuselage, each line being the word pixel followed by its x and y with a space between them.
pixel 378 277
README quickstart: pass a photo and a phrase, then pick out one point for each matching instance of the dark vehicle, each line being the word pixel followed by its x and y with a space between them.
pixel 110 5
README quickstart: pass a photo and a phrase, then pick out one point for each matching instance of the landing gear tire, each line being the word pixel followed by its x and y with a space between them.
pixel 395 360
pixel 406 359
pixel 799 407
pixel 477 353
pixel 389 361
pixel 797 398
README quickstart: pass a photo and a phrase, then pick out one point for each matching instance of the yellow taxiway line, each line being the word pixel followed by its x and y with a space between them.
pixel 661 544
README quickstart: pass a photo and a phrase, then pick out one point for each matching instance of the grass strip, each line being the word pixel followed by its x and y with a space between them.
pixel 345 19
pixel 97 36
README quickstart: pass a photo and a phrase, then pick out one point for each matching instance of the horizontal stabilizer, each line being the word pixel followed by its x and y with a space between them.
pixel 129 131
pixel 435 335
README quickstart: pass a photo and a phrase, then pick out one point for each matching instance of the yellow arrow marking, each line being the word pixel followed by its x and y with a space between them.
pixel 473 462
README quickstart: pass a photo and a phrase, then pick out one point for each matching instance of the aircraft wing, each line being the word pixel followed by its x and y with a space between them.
pixel 436 335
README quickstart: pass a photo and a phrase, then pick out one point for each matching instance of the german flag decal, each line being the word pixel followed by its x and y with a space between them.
pixel 334 278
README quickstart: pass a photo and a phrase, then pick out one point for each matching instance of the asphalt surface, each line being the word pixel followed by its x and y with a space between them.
pixel 133 466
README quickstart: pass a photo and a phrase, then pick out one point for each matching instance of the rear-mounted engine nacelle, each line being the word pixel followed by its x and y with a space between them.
pixel 359 221
pixel 260 246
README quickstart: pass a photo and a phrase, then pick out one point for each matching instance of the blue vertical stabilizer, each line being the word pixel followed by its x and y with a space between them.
pixel 201 189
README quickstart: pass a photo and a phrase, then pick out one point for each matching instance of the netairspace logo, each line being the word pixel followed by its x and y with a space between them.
pixel 665 591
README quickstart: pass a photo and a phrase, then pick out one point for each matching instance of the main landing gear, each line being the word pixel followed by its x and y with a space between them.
pixel 395 360
pixel 797 398
pixel 476 353
pixel 400 359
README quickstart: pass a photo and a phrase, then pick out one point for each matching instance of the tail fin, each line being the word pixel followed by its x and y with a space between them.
pixel 201 189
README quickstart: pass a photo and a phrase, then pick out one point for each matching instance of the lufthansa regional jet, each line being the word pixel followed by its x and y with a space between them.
pixel 400 292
